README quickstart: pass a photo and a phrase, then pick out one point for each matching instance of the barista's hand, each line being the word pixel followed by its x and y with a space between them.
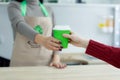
pixel 58 65
pixel 56 62
pixel 48 42
pixel 77 41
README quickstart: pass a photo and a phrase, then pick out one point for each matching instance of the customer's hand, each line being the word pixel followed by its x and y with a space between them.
pixel 48 42
pixel 76 40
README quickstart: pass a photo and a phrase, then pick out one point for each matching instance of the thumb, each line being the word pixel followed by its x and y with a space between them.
pixel 67 36
pixel 51 64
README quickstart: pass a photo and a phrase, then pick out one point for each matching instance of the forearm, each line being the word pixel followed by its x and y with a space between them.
pixel 18 22
pixel 39 39
pixel 56 57
pixel 84 43
pixel 104 52
pixel 26 30
pixel 56 62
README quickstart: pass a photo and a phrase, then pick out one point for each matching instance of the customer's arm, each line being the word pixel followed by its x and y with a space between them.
pixel 104 52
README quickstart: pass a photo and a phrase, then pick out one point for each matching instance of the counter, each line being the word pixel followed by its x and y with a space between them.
pixel 86 72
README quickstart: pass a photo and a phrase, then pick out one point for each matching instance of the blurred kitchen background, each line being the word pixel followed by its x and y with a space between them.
pixel 91 19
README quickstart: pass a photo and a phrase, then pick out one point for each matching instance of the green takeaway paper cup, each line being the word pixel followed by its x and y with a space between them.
pixel 58 32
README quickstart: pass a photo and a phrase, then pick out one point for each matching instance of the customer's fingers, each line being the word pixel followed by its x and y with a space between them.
pixel 67 36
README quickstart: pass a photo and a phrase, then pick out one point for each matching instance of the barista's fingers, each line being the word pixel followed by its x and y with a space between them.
pixel 62 65
pixel 51 64
pixel 55 40
pixel 55 44
pixel 57 65
pixel 69 40
pixel 53 48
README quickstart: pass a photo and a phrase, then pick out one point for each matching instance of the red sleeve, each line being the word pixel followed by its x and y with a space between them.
pixel 106 53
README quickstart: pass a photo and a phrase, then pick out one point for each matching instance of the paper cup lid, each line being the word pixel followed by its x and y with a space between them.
pixel 62 27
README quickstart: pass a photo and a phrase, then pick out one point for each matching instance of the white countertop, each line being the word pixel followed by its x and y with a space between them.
pixel 86 72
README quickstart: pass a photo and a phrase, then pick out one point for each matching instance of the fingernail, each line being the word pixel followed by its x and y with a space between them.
pixel 60 49
pixel 60 42
pixel 69 40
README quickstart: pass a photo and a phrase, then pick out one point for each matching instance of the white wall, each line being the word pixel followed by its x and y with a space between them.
pixel 6 33
pixel 115 1
pixel 97 1
pixel 103 1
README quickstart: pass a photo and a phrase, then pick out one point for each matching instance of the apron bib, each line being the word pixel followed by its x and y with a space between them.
pixel 26 52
